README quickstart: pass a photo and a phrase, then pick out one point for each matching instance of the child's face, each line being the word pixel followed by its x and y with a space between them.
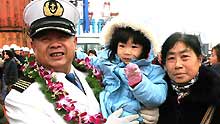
pixel 128 51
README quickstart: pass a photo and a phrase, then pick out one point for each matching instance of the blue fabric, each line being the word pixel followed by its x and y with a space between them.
pixel 71 77
pixel 150 92
pixel 80 54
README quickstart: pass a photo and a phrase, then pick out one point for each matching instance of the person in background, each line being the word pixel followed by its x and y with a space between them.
pixel 26 52
pixel 214 59
pixel 1 70
pixel 91 53
pixel 130 79
pixel 19 59
pixel 18 55
pixel 53 91
pixel 193 88
pixel 80 54
pixel 31 52
pixel 9 72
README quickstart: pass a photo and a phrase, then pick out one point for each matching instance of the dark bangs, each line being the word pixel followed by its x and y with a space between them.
pixel 122 35
pixel 191 41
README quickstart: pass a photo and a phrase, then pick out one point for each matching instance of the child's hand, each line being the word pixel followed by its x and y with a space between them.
pixel 133 74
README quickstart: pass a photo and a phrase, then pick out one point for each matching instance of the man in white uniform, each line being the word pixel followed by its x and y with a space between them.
pixel 52 28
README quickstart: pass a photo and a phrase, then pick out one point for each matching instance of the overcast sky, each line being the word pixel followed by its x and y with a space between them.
pixel 167 16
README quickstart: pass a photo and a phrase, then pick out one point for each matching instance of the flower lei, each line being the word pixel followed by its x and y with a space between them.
pixel 94 77
pixel 56 94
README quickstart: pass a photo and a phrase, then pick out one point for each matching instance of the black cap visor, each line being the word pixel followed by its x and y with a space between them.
pixel 52 23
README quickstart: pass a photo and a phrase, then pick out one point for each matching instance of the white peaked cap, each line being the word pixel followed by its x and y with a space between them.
pixel 13 46
pixel 26 49
pixel 6 47
pixel 59 15
pixel 17 48
pixel 31 51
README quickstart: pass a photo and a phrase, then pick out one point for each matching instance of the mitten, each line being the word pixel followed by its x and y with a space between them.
pixel 133 74
pixel 150 115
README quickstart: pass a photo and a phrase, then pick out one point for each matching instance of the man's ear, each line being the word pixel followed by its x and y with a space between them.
pixel 75 39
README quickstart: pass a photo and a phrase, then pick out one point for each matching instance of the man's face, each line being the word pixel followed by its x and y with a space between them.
pixel 17 52
pixel 55 49
pixel 182 64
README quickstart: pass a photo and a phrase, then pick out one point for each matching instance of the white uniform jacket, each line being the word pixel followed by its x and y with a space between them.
pixel 32 107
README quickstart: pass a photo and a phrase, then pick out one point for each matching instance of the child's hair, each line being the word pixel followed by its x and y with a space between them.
pixel 123 34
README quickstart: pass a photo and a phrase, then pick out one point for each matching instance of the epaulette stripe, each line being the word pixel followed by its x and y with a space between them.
pixel 23 88
pixel 21 85
pixel 24 82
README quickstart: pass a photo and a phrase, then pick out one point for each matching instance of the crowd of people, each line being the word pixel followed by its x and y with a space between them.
pixel 12 58
pixel 173 87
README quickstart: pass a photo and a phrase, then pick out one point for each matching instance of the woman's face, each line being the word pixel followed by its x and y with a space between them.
pixel 55 50
pixel 6 55
pixel 128 51
pixel 182 64
pixel 213 58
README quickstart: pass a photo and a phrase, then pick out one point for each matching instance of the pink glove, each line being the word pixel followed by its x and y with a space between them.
pixel 133 74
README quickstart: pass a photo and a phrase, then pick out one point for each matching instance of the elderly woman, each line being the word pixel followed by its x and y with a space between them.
pixel 193 89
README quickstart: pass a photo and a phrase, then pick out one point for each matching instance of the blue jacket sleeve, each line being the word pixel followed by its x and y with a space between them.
pixel 152 90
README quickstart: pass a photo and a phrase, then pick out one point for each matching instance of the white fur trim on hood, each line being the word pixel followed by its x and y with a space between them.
pixel 108 29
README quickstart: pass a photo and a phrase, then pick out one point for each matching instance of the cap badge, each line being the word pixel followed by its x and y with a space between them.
pixel 53 8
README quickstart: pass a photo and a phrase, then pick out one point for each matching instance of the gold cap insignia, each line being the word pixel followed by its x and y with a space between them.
pixel 53 8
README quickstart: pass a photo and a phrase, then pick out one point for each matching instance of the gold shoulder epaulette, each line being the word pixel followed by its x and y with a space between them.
pixel 21 85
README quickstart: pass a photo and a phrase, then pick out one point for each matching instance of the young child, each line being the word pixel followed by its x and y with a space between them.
pixel 130 79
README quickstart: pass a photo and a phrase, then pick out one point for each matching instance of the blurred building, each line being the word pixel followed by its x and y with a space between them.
pixel 12 29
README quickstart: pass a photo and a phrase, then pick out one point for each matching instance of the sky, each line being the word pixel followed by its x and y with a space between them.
pixel 165 17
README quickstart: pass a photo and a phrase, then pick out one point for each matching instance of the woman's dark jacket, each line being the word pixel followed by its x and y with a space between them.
pixel 203 93
pixel 10 71
pixel 216 67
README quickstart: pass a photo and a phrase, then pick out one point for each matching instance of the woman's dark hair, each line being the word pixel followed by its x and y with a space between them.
pixel 217 50
pixel 189 40
pixel 123 34
pixel 9 53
